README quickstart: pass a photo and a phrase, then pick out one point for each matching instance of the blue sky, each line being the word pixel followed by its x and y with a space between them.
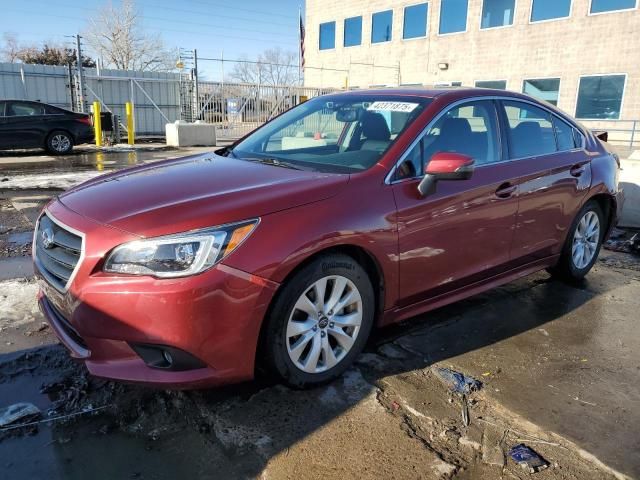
pixel 238 27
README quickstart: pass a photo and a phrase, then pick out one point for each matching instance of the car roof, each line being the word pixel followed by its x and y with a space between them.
pixel 25 101
pixel 433 92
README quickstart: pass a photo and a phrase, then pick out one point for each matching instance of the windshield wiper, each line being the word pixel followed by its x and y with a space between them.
pixel 272 161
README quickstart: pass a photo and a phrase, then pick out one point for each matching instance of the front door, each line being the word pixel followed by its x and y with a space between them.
pixel 24 125
pixel 4 137
pixel 555 175
pixel 462 233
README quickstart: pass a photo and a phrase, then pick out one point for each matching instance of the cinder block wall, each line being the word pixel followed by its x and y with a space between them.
pixel 567 48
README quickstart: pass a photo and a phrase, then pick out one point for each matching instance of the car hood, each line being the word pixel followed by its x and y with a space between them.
pixel 196 192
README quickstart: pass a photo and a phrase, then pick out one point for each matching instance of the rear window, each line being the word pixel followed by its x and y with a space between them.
pixel 565 135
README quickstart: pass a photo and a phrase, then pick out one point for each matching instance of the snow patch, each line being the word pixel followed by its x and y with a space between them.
pixel 18 305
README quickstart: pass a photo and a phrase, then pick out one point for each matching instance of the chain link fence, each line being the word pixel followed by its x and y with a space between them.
pixel 238 108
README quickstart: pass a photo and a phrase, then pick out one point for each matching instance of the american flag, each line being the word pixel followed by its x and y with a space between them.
pixel 301 43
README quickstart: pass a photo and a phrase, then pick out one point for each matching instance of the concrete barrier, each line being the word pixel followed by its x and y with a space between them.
pixel 184 134
pixel 630 184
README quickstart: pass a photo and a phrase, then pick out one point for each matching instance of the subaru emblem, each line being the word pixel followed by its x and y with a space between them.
pixel 47 238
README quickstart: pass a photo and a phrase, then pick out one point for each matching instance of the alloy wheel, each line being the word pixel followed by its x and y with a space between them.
pixel 585 240
pixel 60 143
pixel 324 324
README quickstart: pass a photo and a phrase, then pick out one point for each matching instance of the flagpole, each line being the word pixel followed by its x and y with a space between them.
pixel 299 45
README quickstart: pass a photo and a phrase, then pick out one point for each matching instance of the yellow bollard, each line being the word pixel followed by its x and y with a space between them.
pixel 97 123
pixel 100 161
pixel 130 132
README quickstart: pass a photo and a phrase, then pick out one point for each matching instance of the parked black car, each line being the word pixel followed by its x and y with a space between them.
pixel 25 124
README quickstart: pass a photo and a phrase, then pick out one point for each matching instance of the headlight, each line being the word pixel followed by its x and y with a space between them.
pixel 178 255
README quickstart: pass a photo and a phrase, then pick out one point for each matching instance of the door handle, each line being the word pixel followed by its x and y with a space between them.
pixel 577 170
pixel 505 190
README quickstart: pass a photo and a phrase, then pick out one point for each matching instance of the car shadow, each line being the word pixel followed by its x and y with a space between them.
pixel 235 431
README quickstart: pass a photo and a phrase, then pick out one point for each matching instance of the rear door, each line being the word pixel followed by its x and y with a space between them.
pixel 555 175
pixel 462 233
pixel 25 124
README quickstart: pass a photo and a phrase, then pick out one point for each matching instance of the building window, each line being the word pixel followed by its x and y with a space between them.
pixel 546 89
pixel 600 6
pixel 327 35
pixel 600 97
pixel 352 31
pixel 415 21
pixel 448 84
pixel 495 84
pixel 497 13
pixel 550 9
pixel 453 16
pixel 381 23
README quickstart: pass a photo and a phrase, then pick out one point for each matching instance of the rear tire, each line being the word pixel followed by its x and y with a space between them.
pixel 320 321
pixel 59 143
pixel 582 246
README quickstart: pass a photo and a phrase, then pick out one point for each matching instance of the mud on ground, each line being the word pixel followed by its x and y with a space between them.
pixel 372 423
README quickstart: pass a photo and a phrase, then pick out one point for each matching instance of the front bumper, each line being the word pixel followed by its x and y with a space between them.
pixel 214 316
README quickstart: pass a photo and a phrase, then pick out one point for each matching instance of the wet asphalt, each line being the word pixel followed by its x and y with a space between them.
pixel 563 359
pixel 88 158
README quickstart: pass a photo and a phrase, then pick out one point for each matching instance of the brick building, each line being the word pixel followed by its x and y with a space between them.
pixel 583 55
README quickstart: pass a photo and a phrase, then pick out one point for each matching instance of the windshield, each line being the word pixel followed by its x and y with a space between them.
pixel 337 134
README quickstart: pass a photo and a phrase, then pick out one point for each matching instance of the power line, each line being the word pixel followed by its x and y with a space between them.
pixel 191 32
pixel 189 22
pixel 200 12
pixel 176 20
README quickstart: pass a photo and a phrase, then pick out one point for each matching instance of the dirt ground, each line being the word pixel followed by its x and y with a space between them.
pixel 558 365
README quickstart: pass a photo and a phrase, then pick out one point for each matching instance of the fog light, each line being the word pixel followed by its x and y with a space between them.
pixel 164 357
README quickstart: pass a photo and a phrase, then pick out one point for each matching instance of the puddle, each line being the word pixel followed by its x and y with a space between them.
pixel 87 451
pixel 86 161
pixel 143 433
pixel 20 238
pixel 15 267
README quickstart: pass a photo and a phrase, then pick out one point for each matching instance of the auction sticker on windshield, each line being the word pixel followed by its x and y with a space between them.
pixel 393 106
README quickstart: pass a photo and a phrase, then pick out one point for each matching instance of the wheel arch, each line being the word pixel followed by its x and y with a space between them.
pixel 608 205
pixel 365 258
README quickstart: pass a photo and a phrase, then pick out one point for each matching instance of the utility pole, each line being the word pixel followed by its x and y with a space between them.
pixel 80 73
pixel 195 79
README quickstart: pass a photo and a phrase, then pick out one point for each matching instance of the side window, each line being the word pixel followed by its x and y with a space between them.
pixel 15 109
pixel 530 130
pixel 413 165
pixel 49 110
pixel 578 138
pixel 565 135
pixel 2 107
pixel 470 129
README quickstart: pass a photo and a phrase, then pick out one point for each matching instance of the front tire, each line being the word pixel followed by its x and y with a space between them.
pixel 583 243
pixel 320 321
pixel 59 143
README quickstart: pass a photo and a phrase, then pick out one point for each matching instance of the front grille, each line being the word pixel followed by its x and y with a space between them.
pixel 57 252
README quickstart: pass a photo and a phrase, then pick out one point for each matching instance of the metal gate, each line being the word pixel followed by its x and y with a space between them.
pixel 238 108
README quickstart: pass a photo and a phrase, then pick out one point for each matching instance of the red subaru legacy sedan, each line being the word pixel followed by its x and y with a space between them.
pixel 348 212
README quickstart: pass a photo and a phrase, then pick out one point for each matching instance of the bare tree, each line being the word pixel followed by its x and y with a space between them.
pixel 11 48
pixel 118 39
pixel 273 67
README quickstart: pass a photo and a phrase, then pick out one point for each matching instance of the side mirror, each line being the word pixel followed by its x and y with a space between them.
pixel 445 166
